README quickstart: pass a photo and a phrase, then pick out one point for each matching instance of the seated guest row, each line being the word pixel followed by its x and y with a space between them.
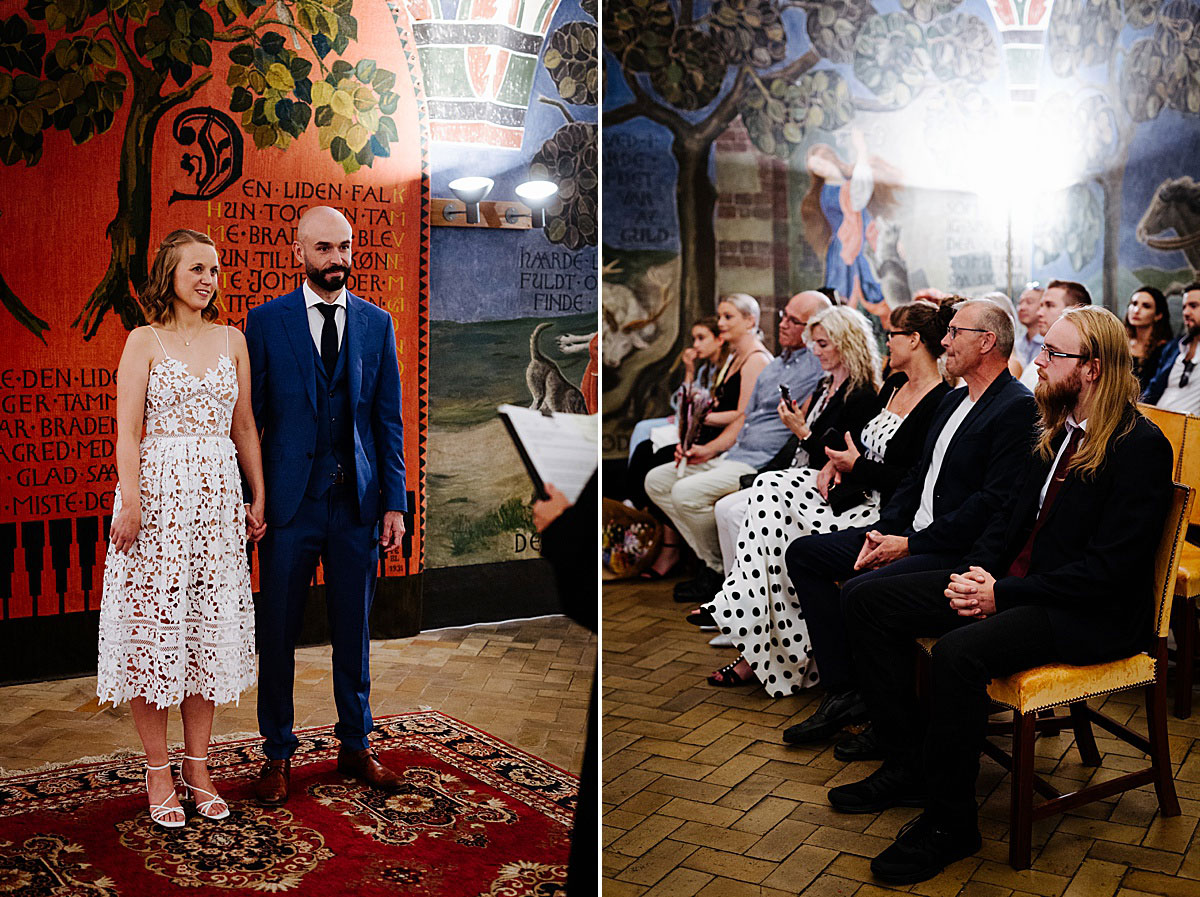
pixel 1013 518
pixel 686 491
pixel 1061 572
pixel 837 480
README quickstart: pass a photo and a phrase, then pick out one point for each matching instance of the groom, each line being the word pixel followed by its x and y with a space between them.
pixel 326 397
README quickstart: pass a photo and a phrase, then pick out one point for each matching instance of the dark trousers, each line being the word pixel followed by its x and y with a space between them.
pixel 884 618
pixel 325 528
pixel 816 564
pixel 644 460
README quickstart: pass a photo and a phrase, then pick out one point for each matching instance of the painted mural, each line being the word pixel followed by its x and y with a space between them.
pixel 512 96
pixel 882 148
pixel 120 122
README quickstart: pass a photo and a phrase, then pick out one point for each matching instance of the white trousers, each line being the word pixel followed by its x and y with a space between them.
pixel 730 511
pixel 688 501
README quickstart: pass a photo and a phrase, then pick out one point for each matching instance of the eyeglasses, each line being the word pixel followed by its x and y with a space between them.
pixel 791 319
pixel 888 334
pixel 953 331
pixel 1188 367
pixel 1032 285
pixel 1054 353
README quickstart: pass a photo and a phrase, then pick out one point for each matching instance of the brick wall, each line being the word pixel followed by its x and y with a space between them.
pixel 752 223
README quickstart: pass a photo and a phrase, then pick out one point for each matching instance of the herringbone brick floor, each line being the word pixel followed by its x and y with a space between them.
pixel 526 682
pixel 701 796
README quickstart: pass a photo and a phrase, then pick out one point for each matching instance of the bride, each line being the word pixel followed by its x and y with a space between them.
pixel 176 617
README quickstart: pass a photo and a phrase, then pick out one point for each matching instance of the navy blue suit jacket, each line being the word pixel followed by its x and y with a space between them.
pixel 1158 383
pixel 987 454
pixel 284 390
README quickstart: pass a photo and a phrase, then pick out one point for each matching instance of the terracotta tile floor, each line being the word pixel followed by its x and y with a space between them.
pixel 526 682
pixel 701 796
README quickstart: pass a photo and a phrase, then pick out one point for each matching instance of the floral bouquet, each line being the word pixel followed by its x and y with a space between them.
pixel 694 404
pixel 629 540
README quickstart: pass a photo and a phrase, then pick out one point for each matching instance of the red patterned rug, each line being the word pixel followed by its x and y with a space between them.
pixel 476 816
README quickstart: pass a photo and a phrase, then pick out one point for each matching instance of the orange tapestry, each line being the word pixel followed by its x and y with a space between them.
pixel 122 121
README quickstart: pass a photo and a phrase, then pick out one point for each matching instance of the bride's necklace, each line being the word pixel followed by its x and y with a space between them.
pixel 187 341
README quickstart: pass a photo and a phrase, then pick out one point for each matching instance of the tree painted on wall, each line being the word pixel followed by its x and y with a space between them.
pixel 569 156
pixel 153 55
pixel 1158 71
pixel 694 71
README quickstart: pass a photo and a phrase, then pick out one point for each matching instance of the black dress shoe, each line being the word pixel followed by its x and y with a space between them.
pixel 836 710
pixel 700 590
pixel 923 848
pixel 863 746
pixel 889 786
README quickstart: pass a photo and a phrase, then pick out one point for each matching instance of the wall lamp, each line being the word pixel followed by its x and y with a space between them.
pixel 469 191
pixel 471 210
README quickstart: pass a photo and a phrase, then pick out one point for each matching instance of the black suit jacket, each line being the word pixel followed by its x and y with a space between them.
pixel 903 450
pixel 984 458
pixel 1092 564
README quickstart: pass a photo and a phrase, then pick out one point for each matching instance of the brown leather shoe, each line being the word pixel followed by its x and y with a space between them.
pixel 271 786
pixel 365 766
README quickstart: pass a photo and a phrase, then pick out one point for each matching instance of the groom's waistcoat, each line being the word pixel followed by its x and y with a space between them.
pixel 335 427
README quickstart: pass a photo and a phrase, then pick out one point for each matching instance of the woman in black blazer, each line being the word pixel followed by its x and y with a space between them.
pixel 849 463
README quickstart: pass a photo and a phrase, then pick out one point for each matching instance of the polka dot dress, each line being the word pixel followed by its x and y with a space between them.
pixel 757 605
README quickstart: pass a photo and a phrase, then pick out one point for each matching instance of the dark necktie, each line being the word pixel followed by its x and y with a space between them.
pixel 329 338
pixel 1020 566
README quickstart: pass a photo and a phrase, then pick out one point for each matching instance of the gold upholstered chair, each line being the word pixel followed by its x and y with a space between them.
pixel 1187 585
pixel 1183 432
pixel 1043 688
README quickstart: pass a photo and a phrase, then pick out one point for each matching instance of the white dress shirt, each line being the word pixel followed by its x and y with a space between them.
pixel 316 320
pixel 1072 425
pixel 1184 399
pixel 924 515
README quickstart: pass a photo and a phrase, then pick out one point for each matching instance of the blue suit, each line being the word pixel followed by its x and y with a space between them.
pixel 333 463
pixel 1158 383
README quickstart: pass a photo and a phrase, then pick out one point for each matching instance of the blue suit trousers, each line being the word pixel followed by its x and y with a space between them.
pixel 325 528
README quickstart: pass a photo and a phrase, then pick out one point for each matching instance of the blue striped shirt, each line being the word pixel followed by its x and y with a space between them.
pixel 763 433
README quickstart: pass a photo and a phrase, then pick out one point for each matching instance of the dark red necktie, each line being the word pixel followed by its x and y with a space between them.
pixel 1020 566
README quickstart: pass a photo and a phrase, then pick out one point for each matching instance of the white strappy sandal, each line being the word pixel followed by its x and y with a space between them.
pixel 160 813
pixel 204 808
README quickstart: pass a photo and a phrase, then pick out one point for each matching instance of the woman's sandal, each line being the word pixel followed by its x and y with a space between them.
pixel 203 807
pixel 161 814
pixel 703 618
pixel 652 575
pixel 728 677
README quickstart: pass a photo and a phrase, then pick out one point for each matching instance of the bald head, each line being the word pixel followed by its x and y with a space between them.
pixel 319 220
pixel 323 247
pixel 799 309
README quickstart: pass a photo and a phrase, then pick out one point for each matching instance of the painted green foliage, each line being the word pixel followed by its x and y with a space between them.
pixel 77 79
pixel 693 67
pixel 569 156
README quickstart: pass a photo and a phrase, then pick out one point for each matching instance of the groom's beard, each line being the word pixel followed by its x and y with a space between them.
pixel 1056 400
pixel 331 278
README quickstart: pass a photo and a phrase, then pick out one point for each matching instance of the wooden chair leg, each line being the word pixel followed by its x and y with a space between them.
pixel 1020 821
pixel 1160 749
pixel 1185 654
pixel 1084 741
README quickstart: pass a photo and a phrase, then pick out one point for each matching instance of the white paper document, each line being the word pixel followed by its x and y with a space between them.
pixel 557 448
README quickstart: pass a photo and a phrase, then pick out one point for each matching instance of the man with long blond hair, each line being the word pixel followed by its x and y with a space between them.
pixel 1063 573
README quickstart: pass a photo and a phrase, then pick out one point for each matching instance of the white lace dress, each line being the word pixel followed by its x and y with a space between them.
pixel 176 617
pixel 757 605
